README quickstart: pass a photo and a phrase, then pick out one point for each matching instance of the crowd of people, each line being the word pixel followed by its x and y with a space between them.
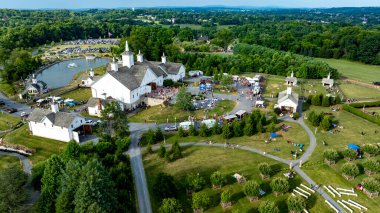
pixel 93 41
pixel 163 93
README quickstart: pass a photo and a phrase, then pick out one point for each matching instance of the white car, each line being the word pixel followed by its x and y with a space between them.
pixel 23 114
pixel 170 128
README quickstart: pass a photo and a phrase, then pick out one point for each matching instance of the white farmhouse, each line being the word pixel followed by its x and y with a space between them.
pixel 55 125
pixel 128 82
pixel 291 81
pixel 288 100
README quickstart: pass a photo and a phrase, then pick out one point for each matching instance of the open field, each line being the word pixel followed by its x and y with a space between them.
pixel 359 92
pixel 355 70
pixel 161 114
pixel 8 121
pixel 9 161
pixel 78 94
pixel 207 160
pixel 7 89
pixel 274 85
pixel 44 147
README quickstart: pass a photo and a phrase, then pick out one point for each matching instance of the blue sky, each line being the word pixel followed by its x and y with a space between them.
pixel 70 4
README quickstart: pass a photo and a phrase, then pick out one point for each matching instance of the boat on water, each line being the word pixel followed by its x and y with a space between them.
pixel 72 65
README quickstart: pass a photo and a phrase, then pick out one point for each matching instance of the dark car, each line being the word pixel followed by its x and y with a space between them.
pixel 377 83
pixel 11 110
pixel 2 103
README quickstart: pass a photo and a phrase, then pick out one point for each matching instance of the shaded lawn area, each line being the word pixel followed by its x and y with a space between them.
pixel 9 161
pixel 207 160
pixel 44 147
pixel 161 114
pixel 79 94
pixel 359 92
pixel 8 121
pixel 7 89
pixel 355 70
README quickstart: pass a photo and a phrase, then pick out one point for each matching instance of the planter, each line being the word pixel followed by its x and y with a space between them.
pixel 369 172
pixel 216 186
pixel 264 177
pixel 226 204
pixel 348 177
pixel 330 162
pixel 198 210
pixel 253 199
pixel 369 155
pixel 371 194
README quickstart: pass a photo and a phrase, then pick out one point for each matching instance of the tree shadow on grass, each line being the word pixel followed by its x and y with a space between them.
pixel 276 168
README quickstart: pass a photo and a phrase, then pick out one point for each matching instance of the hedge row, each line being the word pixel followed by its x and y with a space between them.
pixel 366 104
pixel 360 113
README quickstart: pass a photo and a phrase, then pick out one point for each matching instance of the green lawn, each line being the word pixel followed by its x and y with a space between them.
pixel 207 160
pixel 78 94
pixel 161 114
pixel 355 70
pixel 274 85
pixel 9 161
pixel 311 87
pixel 278 147
pixel 44 147
pixel 8 121
pixel 359 92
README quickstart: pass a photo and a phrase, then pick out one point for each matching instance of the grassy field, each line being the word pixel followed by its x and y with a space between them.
pixel 7 89
pixel 161 114
pixel 355 70
pixel 274 85
pixel 359 92
pixel 7 121
pixel 78 94
pixel 207 160
pixel 9 161
pixel 44 147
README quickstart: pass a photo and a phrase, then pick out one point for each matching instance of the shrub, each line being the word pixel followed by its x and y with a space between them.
pixel 163 186
pixel 351 108
pixel 271 127
pixel 265 170
pixel 170 205
pixel 162 151
pixel 252 190
pixel 225 197
pixel 181 132
pixel 370 149
pixel 371 184
pixel 195 182
pixel 168 82
pixel 159 136
pixel 350 169
pixel 325 101
pixel 200 201
pixel 279 185
pixel 203 130
pixel 268 207
pixel 217 179
pixel 326 123
pixel 316 100
pixel 371 166
pixel 331 155
pixel 192 131
pixel 226 131
pixel 350 154
pixel 296 204
pixel 296 115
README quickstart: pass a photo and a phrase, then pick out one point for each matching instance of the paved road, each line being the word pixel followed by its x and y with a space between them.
pixel 26 165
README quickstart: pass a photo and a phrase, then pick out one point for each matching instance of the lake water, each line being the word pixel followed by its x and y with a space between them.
pixel 59 75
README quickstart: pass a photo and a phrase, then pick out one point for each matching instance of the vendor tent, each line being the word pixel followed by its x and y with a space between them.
pixel 273 134
pixel 353 146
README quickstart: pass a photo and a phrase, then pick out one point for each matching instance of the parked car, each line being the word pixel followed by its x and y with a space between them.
pixel 71 103
pixel 2 103
pixel 170 128
pixel 24 114
pixel 11 110
pixel 89 122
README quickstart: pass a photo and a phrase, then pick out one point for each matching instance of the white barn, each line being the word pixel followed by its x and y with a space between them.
pixel 288 100
pixel 128 82
pixel 55 125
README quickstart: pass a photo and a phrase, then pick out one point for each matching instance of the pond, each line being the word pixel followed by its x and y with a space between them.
pixel 60 75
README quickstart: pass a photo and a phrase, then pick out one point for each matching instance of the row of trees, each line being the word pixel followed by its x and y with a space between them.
pixel 322 100
pixel 320 120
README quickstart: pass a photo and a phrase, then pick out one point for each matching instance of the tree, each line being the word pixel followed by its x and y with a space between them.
pixel 226 131
pixel 194 182
pixel 259 126
pixel 296 204
pixel 181 132
pixel 96 190
pixel 50 184
pixel 163 186
pixel 12 193
pixel 271 127
pixel 183 100
pixel 216 129
pixel 159 136
pixel 223 38
pixel 226 81
pixel 252 190
pixel 279 185
pixel 115 120
pixel 185 34
pixel 370 150
pixel 248 127
pixel 192 131
pixel 316 100
pixel 238 132
pixel 162 151
pixel 72 151
pixel 70 178
pixel 170 205
pixel 203 130
pixel 148 137
pixel 350 154
pixel 350 170
pixel 326 123
pixel 371 184
pixel 225 198
pixel 325 101
pixel 331 156
pixel 371 166
pixel 268 207
pixel 265 170
pixel 176 151
pixel 217 179
pixel 200 201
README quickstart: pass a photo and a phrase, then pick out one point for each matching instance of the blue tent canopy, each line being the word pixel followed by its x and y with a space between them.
pixel 202 87
pixel 353 146
pixel 273 134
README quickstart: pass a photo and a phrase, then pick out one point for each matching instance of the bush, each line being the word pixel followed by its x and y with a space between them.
pixel 350 154
pixel 316 100
pixel 176 151
pixel 326 123
pixel 296 115
pixel 350 169
pixel 371 165
pixel 370 149
pixel 170 205
pixel 371 184
pixel 351 108
pixel 195 182
pixel 203 130
pixel 217 179
pixel 158 135
pixel 168 82
pixel 200 201
pixel 268 207
pixel 163 186
pixel 326 101
pixel 331 155
pixel 279 185
pixel 162 151
pixel 192 131
pixel 226 131
pixel 225 197
pixel 271 127
pixel 252 190
pixel 265 169
pixel 181 132
pixel 296 204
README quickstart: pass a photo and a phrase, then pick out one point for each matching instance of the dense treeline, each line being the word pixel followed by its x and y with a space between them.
pixel 254 58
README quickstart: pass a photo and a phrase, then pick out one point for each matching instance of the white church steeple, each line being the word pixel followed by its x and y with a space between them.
pixel 292 74
pixel 163 58
pixel 127 57
pixel 140 57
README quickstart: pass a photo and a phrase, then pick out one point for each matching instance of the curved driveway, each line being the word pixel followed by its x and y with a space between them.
pixel 26 165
